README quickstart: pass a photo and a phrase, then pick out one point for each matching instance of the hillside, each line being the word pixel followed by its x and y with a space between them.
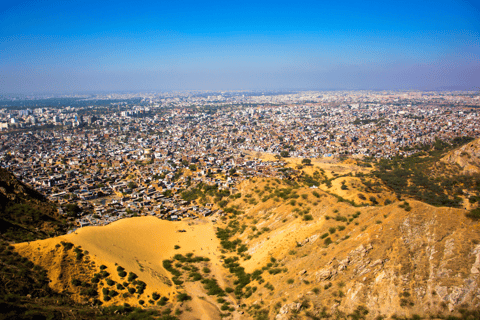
pixel 467 157
pixel 427 177
pixel 331 239
pixel 25 214
pixel 26 287
pixel 401 259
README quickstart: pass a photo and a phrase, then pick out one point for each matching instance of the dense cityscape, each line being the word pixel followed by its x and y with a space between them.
pixel 138 158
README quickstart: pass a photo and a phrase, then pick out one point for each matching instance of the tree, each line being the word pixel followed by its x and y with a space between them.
pixel 73 210
pixel 306 162
pixel 284 154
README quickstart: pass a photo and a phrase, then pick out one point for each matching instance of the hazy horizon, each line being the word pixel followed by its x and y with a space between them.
pixel 108 46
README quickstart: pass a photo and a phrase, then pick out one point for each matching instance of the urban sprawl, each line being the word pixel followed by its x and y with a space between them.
pixel 122 159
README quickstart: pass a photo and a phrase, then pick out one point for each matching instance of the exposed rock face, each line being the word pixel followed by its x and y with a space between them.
pixel 424 263
pixel 466 157
pixel 283 314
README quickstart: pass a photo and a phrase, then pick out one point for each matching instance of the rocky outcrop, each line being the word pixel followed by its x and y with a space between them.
pixel 287 309
pixel 466 157
pixel 426 262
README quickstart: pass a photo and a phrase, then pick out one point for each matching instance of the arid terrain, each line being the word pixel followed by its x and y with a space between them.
pixel 350 247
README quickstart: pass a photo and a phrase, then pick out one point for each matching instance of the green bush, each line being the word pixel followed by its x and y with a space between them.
pixel 132 276
pixel 328 241
pixel 307 217
pixel 183 297
pixel 474 214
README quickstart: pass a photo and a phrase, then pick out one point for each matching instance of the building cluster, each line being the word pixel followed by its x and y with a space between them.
pixel 127 160
pixel 113 177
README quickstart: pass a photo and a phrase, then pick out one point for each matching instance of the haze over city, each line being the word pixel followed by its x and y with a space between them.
pixel 68 47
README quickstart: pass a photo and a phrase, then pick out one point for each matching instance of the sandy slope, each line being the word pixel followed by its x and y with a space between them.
pixel 143 243
pixel 137 244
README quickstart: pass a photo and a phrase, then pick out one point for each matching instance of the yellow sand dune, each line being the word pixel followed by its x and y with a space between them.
pixel 141 244
pixel 137 244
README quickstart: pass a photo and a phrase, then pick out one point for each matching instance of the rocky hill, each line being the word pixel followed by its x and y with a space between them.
pixel 25 214
pixel 467 157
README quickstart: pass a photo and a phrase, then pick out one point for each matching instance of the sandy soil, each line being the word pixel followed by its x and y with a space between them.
pixel 137 244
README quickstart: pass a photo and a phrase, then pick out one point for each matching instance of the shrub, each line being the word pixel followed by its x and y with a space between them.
pixel 183 297
pixel 104 274
pixel 163 301
pixel 195 276
pixel 307 217
pixel 474 214
pixel 132 276
pixel 76 282
pixel 67 245
pixel 327 241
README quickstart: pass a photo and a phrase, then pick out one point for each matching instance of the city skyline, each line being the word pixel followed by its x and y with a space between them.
pixel 113 46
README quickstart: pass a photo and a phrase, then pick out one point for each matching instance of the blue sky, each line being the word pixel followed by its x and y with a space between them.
pixel 77 46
